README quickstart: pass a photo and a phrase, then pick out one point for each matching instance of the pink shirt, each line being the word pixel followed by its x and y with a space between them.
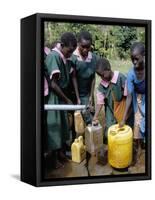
pixel 47 51
pixel 45 87
pixel 100 96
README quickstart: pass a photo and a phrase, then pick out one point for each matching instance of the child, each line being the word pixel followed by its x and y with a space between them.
pixel 136 95
pixel 111 88
pixel 46 92
pixel 85 64
pixel 60 69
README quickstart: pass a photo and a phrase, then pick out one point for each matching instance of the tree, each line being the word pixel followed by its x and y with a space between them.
pixel 124 37
pixel 108 41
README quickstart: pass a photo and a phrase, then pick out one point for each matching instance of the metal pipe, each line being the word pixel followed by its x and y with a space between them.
pixel 51 107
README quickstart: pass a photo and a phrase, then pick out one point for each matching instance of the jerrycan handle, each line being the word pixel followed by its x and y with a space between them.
pixel 80 139
pixel 95 123
pixel 117 130
pixel 76 140
pixel 120 129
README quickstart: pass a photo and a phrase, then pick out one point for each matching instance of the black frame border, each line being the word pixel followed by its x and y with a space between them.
pixel 40 19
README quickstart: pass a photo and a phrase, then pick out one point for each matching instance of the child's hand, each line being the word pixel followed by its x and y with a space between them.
pixel 78 101
pixel 69 102
pixel 90 102
pixel 92 109
pixel 95 122
pixel 90 105
pixel 121 124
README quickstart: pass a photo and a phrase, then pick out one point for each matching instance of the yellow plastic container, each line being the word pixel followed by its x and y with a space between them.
pixel 79 123
pixel 93 138
pixel 78 150
pixel 120 144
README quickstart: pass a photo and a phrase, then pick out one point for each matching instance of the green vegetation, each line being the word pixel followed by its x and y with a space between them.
pixel 112 42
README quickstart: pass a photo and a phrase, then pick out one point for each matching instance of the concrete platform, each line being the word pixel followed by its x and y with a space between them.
pixel 95 167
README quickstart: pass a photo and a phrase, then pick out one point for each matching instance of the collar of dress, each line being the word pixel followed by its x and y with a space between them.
pixel 79 57
pixel 113 80
pixel 57 49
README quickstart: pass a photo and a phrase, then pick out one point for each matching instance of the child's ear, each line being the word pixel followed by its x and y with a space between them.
pixel 62 45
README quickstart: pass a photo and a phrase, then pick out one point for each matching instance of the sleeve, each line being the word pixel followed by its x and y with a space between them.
pixel 73 64
pixel 100 98
pixel 124 84
pixel 130 85
pixel 73 60
pixel 93 76
pixel 52 63
pixel 45 87
pixel 125 89
pixel 71 70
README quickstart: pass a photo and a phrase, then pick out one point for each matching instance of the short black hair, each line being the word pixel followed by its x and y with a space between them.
pixel 68 39
pixel 54 44
pixel 84 35
pixel 140 46
pixel 103 64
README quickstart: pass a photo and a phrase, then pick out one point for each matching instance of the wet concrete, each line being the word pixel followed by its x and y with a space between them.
pixel 139 167
pixel 96 166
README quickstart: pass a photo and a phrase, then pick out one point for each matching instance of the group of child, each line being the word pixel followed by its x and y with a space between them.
pixel 70 68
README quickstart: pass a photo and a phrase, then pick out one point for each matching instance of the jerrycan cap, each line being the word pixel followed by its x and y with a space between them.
pixel 76 140
pixel 122 129
pixel 113 132
pixel 80 137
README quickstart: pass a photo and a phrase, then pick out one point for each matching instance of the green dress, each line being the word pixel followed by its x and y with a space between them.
pixel 117 89
pixel 85 73
pixel 57 121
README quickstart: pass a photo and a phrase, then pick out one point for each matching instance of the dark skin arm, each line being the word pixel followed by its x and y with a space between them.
pixel 98 109
pixel 92 92
pixel 128 104
pixel 91 97
pixel 74 80
pixel 58 90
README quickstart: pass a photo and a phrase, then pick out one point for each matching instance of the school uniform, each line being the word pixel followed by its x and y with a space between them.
pixel 46 92
pixel 105 92
pixel 85 73
pixel 57 121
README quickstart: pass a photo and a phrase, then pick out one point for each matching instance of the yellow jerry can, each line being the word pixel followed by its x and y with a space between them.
pixel 120 144
pixel 79 123
pixel 78 150
pixel 93 138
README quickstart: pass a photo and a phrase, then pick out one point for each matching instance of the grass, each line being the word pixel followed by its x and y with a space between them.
pixel 122 66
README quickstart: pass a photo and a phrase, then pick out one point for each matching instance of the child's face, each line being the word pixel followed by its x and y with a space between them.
pixel 67 51
pixel 140 70
pixel 84 47
pixel 105 75
pixel 136 57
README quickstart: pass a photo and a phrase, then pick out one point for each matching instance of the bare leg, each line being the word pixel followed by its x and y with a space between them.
pixel 55 162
